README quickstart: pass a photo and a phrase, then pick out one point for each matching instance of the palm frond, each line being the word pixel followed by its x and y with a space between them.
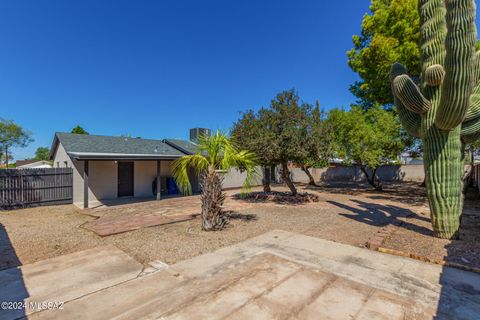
pixel 217 151
pixel 181 168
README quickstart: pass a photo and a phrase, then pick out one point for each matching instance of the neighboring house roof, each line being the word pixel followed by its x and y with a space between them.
pixel 20 163
pixel 33 164
pixel 93 147
pixel 184 146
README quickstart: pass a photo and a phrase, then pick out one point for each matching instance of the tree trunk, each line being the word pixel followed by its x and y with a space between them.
pixel 266 180
pixel 311 180
pixel 6 155
pixel 444 171
pixel 287 180
pixel 466 179
pixel 212 198
pixel 468 171
pixel 374 181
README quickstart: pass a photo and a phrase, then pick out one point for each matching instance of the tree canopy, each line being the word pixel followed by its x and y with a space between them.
pixel 367 138
pixel 390 33
pixel 79 130
pixel 287 131
pixel 12 135
pixel 318 141
pixel 42 153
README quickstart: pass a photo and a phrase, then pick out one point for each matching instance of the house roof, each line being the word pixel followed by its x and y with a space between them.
pixel 19 163
pixel 184 146
pixel 94 147
pixel 33 164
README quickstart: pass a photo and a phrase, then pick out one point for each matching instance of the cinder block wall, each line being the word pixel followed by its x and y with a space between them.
pixel 389 173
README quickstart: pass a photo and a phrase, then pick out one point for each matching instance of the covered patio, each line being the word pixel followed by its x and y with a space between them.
pixel 126 179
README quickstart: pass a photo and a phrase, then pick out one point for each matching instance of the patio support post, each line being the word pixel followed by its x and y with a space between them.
pixel 158 180
pixel 85 184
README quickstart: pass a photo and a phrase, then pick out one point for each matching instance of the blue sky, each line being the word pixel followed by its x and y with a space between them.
pixel 157 68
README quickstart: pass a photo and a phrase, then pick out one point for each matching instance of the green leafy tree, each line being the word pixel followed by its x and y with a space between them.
pixel 79 130
pixel 318 141
pixel 390 33
pixel 216 155
pixel 278 133
pixel 42 153
pixel 368 138
pixel 253 132
pixel 12 135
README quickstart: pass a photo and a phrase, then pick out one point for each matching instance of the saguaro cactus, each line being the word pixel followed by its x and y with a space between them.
pixel 443 109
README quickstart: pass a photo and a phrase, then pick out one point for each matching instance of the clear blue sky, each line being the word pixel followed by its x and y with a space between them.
pixel 157 68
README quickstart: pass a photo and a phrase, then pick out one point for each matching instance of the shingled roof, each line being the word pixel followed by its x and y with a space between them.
pixel 81 146
pixel 185 146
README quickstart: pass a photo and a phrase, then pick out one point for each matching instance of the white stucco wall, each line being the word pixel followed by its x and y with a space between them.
pixel 144 172
pixel 235 178
pixel 62 159
pixel 102 181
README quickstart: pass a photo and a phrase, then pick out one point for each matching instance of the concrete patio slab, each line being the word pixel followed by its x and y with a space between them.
pixel 282 275
pixel 65 278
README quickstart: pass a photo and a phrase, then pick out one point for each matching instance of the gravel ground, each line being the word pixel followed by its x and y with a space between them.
pixel 416 238
pixel 344 214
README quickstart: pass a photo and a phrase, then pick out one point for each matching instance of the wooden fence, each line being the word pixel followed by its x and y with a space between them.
pixel 29 187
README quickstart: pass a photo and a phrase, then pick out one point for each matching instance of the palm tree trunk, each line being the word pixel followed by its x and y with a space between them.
pixel 212 198
pixel 287 180
pixel 311 181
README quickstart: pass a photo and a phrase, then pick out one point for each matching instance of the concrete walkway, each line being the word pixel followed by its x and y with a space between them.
pixel 127 215
pixel 281 275
pixel 64 278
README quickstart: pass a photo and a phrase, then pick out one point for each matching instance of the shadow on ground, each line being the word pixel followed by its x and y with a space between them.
pixel 406 192
pixel 284 198
pixel 232 215
pixel 381 215
pixel 13 290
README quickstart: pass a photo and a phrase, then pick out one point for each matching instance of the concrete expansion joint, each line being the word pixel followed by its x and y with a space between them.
pixel 268 290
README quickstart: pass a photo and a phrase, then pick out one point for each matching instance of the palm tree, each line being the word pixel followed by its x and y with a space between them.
pixel 216 155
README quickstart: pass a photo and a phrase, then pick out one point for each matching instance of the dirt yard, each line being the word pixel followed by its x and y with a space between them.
pixel 345 214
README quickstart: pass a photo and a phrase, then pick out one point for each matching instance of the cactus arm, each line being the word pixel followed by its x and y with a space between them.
pixel 476 69
pixel 409 94
pixel 410 120
pixel 468 139
pixel 471 127
pixel 460 49
pixel 474 109
pixel 434 75
pixel 432 30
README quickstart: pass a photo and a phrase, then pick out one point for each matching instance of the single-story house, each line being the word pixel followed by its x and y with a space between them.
pixel 32 164
pixel 106 167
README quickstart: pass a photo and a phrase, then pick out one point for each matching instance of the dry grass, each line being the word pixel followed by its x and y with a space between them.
pixel 349 217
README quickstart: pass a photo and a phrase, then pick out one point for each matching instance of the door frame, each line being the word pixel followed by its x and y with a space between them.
pixel 133 179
